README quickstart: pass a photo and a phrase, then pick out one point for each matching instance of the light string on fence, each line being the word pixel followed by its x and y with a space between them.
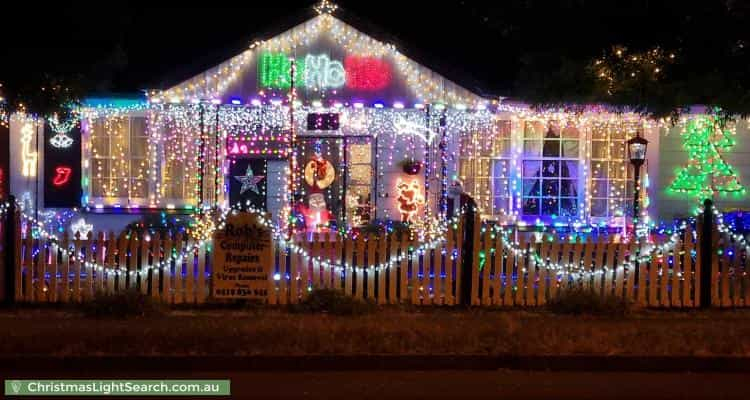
pixel 160 265
pixel 645 257
pixel 294 249
pixel 738 238
pixel 302 252
pixel 327 264
pixel 277 234
pixel 577 268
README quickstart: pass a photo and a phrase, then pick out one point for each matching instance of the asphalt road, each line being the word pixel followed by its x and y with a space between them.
pixel 504 384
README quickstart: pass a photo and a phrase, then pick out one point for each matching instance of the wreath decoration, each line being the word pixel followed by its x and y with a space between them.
pixel 319 173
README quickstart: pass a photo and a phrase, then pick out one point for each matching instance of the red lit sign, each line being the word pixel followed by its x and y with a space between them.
pixel 62 176
pixel 367 73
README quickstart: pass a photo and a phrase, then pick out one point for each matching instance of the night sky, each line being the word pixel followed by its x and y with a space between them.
pixel 123 47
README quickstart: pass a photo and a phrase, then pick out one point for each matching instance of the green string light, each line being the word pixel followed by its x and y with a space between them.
pixel 707 173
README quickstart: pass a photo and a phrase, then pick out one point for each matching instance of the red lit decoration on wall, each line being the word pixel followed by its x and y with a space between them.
pixel 409 199
pixel 367 73
pixel 319 173
pixel 62 176
pixel 62 167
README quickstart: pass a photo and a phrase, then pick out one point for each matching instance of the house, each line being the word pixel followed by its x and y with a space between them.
pixel 336 129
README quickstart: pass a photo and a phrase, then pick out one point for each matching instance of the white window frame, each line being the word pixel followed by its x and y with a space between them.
pixel 626 198
pixel 580 180
pixel 100 201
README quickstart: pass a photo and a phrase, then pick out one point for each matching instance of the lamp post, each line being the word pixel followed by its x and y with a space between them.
pixel 637 153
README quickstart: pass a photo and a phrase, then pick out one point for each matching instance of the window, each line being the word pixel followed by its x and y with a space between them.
pixel 119 159
pixel 178 146
pixel 611 189
pixel 550 170
pixel 180 174
pixel 359 184
pixel 501 143
pixel 485 169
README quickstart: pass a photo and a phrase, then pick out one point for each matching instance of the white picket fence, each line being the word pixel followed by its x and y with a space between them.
pixel 47 272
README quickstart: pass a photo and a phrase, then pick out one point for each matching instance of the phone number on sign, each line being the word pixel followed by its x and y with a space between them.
pixel 241 292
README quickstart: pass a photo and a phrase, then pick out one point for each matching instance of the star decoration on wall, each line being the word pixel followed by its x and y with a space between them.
pixel 249 181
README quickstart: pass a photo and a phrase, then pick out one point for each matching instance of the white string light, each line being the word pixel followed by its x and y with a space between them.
pixel 294 249
pixel 572 268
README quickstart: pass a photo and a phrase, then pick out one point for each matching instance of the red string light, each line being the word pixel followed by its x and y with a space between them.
pixel 367 73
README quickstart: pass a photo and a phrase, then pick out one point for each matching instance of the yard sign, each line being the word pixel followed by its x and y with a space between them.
pixel 243 256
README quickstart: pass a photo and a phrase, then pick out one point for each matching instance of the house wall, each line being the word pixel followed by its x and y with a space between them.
pixel 26 186
pixel 672 156
pixel 665 156
pixel 29 190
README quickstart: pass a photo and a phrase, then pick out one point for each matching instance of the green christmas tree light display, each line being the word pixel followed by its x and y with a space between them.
pixel 707 173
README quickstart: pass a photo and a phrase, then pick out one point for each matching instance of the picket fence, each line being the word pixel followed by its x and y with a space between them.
pixel 513 278
pixel 500 277
pixel 729 272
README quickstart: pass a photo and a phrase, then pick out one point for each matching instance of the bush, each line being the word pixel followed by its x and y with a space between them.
pixel 579 301
pixel 333 302
pixel 125 304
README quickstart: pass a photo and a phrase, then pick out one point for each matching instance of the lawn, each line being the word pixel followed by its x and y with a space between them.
pixel 388 331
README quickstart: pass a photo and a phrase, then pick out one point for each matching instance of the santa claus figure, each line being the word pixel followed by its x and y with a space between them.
pixel 317 215
pixel 409 199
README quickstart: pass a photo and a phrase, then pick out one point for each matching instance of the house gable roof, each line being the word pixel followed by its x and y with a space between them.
pixel 329 40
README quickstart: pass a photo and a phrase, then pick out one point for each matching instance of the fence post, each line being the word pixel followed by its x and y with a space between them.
pixel 706 237
pixel 467 252
pixel 9 252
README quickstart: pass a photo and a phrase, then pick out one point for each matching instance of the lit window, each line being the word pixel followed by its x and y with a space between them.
pixel 550 184
pixel 119 159
pixel 359 207
pixel 611 187
pixel 484 168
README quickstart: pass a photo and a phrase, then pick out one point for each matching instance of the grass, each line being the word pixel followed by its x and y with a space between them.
pixel 386 331
pixel 580 301
pixel 333 302
pixel 126 304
